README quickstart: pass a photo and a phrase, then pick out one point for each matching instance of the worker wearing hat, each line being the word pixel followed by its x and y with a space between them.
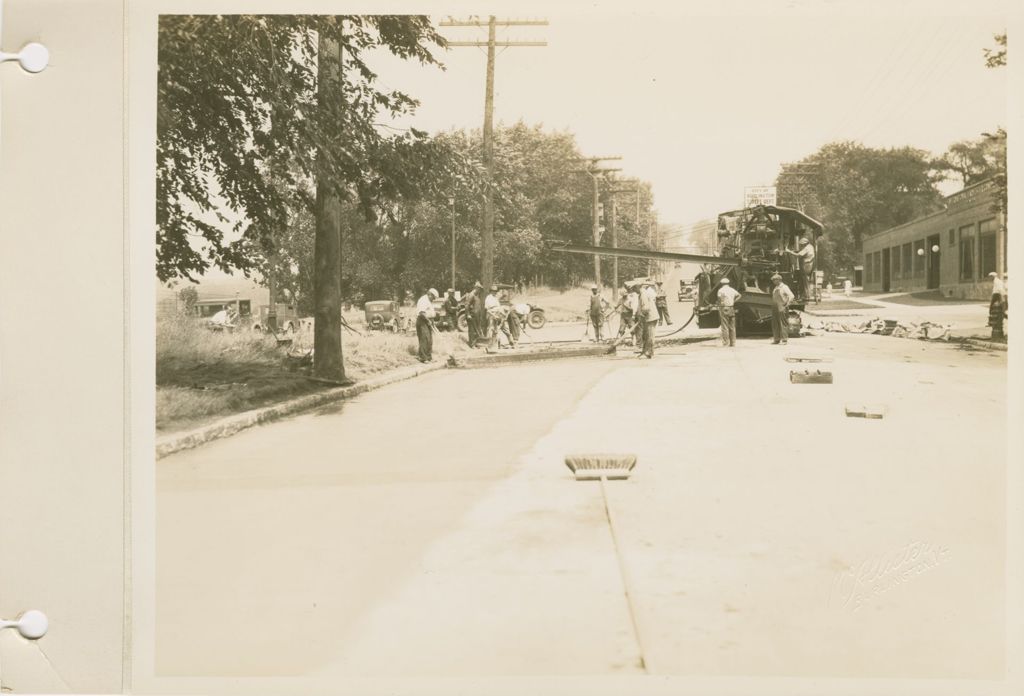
pixel 596 311
pixel 648 317
pixel 425 325
pixel 727 296
pixel 662 303
pixel 451 309
pixel 781 297
pixel 806 256
pixel 628 305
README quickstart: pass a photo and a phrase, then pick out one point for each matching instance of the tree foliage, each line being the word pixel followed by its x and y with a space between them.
pixel 974 160
pixel 240 130
pixel 539 192
pixel 856 190
pixel 996 57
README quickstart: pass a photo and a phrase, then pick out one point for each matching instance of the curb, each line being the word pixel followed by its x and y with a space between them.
pixel 532 356
pixel 987 344
pixel 230 425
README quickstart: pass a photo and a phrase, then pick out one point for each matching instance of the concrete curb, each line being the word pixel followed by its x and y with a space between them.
pixel 513 357
pixel 987 344
pixel 230 425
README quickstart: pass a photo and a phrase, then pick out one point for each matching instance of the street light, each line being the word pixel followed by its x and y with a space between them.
pixel 451 202
pixel 935 248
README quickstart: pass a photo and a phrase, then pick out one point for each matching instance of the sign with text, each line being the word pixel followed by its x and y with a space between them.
pixel 758 195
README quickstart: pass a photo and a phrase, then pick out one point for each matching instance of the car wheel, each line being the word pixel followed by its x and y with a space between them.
pixel 536 319
pixel 463 323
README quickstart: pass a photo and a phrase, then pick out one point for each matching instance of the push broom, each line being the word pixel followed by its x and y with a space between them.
pixel 611 467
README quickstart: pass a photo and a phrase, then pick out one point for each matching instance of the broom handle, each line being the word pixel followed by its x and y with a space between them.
pixel 626 583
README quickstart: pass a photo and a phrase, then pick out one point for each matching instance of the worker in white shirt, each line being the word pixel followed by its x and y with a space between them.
pixel 998 286
pixel 490 302
pixel 425 325
pixel 781 297
pixel 806 256
pixel 648 315
pixel 727 296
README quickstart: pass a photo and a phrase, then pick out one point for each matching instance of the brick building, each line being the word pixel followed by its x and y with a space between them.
pixel 952 250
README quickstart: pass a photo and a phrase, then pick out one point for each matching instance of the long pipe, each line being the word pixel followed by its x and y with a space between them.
pixel 642 254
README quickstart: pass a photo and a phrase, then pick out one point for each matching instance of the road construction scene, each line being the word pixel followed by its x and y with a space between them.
pixel 450 392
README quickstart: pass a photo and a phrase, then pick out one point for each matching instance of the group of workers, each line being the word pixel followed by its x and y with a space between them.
pixel 782 296
pixel 642 307
pixel 486 317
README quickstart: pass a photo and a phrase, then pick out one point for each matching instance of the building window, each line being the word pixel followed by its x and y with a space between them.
pixel 896 266
pixel 986 247
pixel 919 255
pixel 908 260
pixel 878 266
pixel 966 253
pixel 951 238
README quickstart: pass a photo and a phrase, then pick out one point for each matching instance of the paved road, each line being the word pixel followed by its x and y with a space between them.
pixel 431 528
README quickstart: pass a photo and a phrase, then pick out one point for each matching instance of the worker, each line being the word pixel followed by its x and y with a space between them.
pixel 781 297
pixel 474 312
pixel 596 311
pixel 515 325
pixel 662 302
pixel 497 317
pixel 998 286
pixel 648 315
pixel 425 325
pixel 806 256
pixel 627 311
pixel 451 310
pixel 727 296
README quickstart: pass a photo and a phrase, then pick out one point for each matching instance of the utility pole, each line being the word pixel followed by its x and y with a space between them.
pixel 451 200
pixel 613 228
pixel 594 171
pixel 487 237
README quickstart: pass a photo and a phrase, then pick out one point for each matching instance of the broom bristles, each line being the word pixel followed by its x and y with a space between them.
pixel 601 464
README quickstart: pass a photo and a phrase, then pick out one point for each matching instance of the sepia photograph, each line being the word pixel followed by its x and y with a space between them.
pixel 397 348
pixel 629 342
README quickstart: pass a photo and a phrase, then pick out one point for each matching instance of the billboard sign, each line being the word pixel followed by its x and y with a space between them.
pixel 759 195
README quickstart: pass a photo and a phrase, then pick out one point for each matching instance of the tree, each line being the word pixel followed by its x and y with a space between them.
pixel 996 57
pixel 855 190
pixel 188 296
pixel 237 96
pixel 973 160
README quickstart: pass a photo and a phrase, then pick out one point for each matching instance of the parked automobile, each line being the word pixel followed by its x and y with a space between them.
pixel 529 315
pixel 685 290
pixel 287 318
pixel 384 315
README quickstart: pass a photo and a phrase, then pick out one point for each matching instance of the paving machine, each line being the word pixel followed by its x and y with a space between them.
pixel 752 246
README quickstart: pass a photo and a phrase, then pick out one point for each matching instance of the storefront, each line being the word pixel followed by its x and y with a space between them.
pixel 952 250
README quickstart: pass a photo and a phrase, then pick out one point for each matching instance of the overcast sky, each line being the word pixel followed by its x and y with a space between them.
pixel 703 105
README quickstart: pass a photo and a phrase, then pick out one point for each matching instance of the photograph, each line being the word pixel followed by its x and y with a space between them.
pixel 581 345
pixel 510 348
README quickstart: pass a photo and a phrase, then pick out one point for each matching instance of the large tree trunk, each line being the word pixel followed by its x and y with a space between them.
pixel 327 356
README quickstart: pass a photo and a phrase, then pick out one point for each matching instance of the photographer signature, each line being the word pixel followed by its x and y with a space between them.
pixel 852 588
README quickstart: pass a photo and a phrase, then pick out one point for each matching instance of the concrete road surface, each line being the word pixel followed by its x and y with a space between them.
pixel 431 528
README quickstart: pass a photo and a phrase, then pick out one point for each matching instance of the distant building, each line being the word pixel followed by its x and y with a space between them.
pixel 215 291
pixel 952 250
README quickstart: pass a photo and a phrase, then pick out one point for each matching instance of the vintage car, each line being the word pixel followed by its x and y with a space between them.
pixel 384 315
pixel 287 318
pixel 685 290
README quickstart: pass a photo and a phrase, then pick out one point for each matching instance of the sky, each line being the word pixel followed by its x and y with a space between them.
pixel 705 100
